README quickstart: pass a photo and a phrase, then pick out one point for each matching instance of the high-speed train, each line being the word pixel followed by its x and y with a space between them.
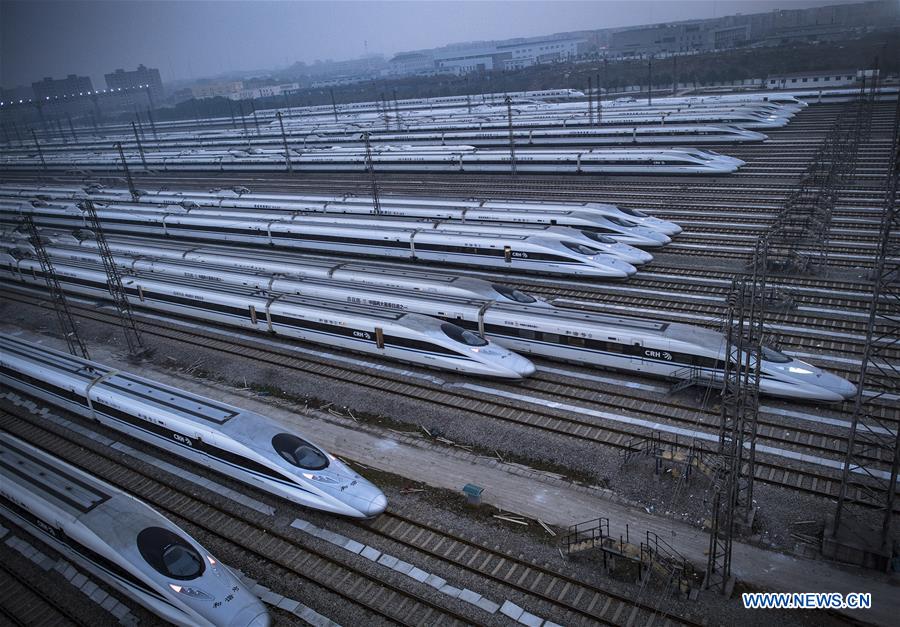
pixel 609 236
pixel 392 159
pixel 385 333
pixel 119 539
pixel 601 218
pixel 287 265
pixel 587 338
pixel 240 444
pixel 667 134
pixel 517 253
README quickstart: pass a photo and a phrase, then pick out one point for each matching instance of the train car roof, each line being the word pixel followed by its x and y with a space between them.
pixel 168 398
pixel 49 478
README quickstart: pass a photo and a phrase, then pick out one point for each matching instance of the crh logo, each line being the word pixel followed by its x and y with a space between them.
pixel 362 334
pixel 654 354
pixel 183 439
pixel 520 255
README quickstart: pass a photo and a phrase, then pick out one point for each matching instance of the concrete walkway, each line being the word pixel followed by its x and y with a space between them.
pixel 535 494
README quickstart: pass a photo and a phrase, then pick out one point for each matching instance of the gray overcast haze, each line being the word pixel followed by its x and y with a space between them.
pixel 198 39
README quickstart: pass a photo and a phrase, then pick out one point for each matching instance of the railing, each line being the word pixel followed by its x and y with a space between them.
pixel 675 568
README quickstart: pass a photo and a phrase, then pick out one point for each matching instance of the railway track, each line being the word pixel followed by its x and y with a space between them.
pixel 551 417
pixel 578 601
pixel 26 600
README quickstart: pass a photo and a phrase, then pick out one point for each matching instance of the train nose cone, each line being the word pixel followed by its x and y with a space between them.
pixel 253 615
pixel 521 367
pixel 376 506
pixel 846 389
pixel 642 256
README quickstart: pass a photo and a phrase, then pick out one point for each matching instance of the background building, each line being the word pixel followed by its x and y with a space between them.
pixel 51 88
pixel 225 89
pixel 120 79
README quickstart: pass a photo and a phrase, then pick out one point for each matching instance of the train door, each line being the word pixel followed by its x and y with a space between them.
pixel 637 355
pixel 379 337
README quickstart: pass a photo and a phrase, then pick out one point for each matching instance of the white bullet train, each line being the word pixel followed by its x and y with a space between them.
pixel 121 541
pixel 288 265
pixel 546 255
pixel 656 348
pixel 665 134
pixel 240 444
pixel 600 218
pixel 385 333
pixel 390 159
pixel 609 236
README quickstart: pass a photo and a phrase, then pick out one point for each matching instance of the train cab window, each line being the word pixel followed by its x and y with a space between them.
pixel 620 222
pixel 298 452
pixel 633 212
pixel 580 248
pixel 458 334
pixel 603 239
pixel 770 354
pixel 513 294
pixel 169 554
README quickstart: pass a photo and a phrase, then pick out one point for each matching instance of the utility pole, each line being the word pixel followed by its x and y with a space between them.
pixel 649 80
pixel 333 106
pixel 376 203
pixel 131 188
pixel 62 136
pixel 153 124
pixel 599 105
pixel 590 103
pixel 140 148
pixel 735 466
pixel 40 152
pixel 397 109
pixel 384 110
pixel 512 140
pixel 244 123
pixel 674 74
pixel 287 153
pixel 72 129
pixel 114 283
pixel 255 119
pixel 57 296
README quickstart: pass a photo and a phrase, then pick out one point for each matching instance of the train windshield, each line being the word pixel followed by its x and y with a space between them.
pixel 298 452
pixel 620 222
pixel 770 354
pixel 633 212
pixel 169 554
pixel 581 248
pixel 513 294
pixel 603 239
pixel 463 336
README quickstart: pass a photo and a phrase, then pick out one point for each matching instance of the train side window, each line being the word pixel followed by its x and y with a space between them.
pixel 528 334
pixel 553 338
pixel 575 341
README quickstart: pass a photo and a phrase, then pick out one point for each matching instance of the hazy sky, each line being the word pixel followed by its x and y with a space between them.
pixel 187 39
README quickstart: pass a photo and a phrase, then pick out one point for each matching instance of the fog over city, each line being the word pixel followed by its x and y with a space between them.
pixel 191 40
